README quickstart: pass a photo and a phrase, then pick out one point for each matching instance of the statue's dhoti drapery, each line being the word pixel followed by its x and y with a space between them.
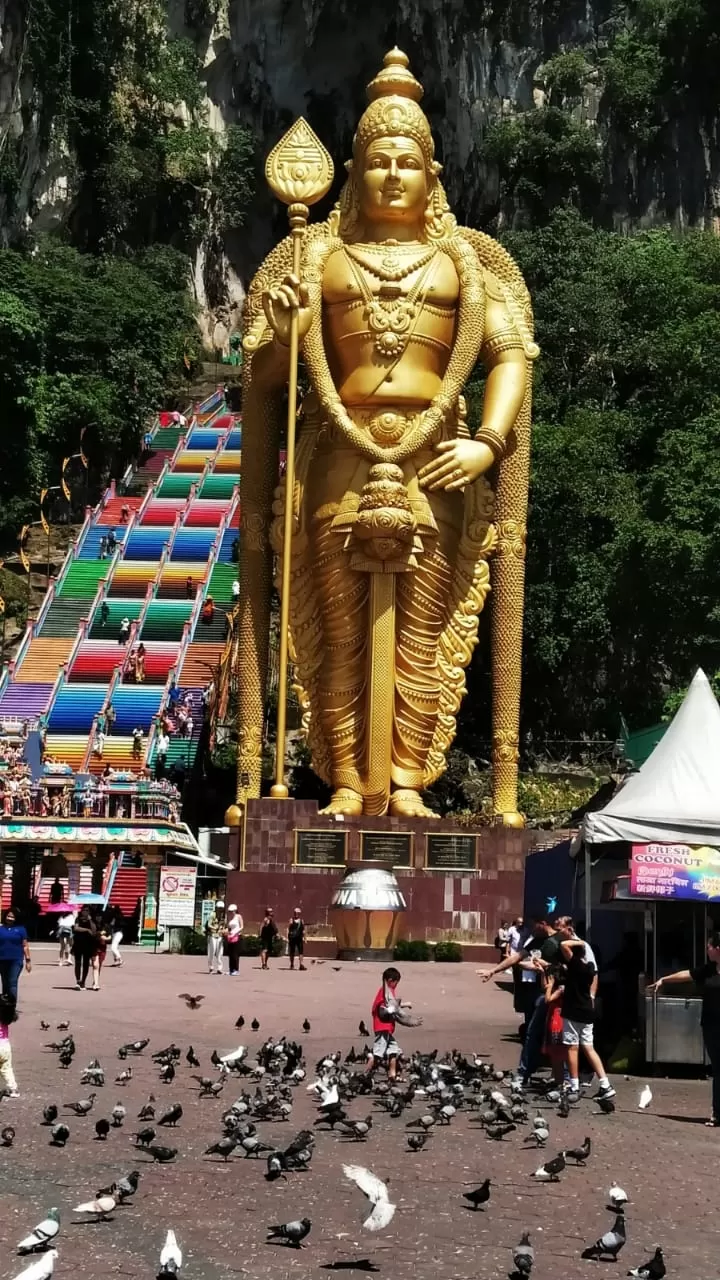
pixel 381 641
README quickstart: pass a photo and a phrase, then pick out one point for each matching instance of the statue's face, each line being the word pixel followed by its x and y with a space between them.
pixel 393 184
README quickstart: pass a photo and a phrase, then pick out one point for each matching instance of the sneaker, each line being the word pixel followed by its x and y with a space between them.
pixel 14 1093
pixel 605 1091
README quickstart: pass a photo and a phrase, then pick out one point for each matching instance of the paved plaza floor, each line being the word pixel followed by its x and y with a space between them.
pixel 665 1159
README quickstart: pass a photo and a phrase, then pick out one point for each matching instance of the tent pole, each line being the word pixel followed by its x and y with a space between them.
pixel 588 892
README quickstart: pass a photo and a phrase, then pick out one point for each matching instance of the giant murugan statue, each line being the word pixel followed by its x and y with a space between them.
pixel 403 510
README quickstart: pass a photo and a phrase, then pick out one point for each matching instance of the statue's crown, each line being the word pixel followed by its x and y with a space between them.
pixel 394 95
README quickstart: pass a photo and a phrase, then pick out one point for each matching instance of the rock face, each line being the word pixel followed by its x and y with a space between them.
pixel 267 61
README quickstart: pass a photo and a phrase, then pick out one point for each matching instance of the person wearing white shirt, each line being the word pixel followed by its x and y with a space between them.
pixel 64 936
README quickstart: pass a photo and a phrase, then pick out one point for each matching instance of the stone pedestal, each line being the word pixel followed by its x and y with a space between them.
pixel 459 883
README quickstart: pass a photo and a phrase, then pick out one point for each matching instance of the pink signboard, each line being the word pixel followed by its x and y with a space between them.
pixel 675 871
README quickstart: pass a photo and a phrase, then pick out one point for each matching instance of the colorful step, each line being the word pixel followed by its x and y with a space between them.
pixel 82 578
pixel 75 707
pixel 45 654
pixel 21 701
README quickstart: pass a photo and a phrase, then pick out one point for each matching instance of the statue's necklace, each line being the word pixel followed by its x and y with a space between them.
pixel 391 315
pixel 390 267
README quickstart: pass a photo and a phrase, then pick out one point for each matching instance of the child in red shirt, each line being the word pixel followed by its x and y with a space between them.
pixel 387 1010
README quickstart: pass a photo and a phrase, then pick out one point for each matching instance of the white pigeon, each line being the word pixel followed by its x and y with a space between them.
pixel 43 1233
pixel 236 1056
pixel 329 1097
pixel 41 1268
pixel 170 1257
pixel 617 1197
pixel 100 1207
pixel 542 1174
pixel 645 1098
pixel 382 1211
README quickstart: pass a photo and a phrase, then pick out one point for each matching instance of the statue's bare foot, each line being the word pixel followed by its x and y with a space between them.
pixel 511 819
pixel 346 801
pixel 408 804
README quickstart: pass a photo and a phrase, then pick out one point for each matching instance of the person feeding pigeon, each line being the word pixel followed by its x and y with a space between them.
pixel 387 1010
pixel 707 980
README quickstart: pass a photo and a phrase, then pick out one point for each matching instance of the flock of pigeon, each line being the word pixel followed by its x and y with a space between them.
pixel 433 1091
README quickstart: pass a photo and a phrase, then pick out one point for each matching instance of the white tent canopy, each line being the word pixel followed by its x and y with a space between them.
pixel 675 796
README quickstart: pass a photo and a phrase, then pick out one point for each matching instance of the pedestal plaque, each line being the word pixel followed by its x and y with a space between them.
pixel 451 852
pixel 320 848
pixel 393 847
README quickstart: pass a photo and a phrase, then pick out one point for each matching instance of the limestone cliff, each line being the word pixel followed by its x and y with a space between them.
pixel 620 128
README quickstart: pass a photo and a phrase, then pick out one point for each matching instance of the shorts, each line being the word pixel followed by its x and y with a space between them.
pixel 295 949
pixel 577 1033
pixel 385 1046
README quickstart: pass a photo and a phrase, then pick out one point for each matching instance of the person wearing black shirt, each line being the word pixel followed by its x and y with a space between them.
pixel 707 980
pixel 578 1006
pixel 296 938
pixel 268 934
pixel 540 951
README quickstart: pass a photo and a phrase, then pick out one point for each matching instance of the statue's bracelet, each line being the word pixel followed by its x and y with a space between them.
pixel 494 442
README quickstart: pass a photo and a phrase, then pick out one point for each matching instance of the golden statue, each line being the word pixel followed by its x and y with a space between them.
pixel 396 527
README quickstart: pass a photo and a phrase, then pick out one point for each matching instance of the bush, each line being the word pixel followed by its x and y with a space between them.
pixel 415 949
pixel 448 952
pixel 194 943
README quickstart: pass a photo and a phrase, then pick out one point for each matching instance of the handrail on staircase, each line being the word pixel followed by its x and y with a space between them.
pixel 60 680
pixel 81 635
pixel 152 732
pixel 176 452
pixel 49 597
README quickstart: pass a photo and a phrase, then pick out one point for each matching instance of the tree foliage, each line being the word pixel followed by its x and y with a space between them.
pixel 624 532
pixel 84 342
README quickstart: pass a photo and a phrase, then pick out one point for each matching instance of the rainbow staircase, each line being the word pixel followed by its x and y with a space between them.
pixel 175 521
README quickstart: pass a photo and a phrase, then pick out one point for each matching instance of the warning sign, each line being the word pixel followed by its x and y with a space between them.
pixel 176 902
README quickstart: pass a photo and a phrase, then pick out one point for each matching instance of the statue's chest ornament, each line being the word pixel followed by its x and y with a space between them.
pixel 390 313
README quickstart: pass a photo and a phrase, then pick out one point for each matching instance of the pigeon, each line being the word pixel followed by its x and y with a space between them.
pixel 172 1115
pixel 118 1114
pixel 255 1025
pixel 479 1196
pixel 44 1026
pixel 645 1098
pixel 500 1131
pixel 306 1026
pixel 170 1257
pixel 41 1269
pixel 162 1155
pixel 549 1172
pixel 224 1148
pixel 540 1134
pixel 192 1002
pixel 382 1211
pixel 102 1129
pixel 50 1113
pixel 42 1234
pixel 292 1233
pixel 579 1154
pixel 63 1026
pixel 125 1076
pixel 653 1269
pixel 523 1255
pixel 83 1107
pixel 358 1130
pixel 148 1111
pixel 191 1058
pixel 606 1105
pixel 618 1198
pixel 240 1023
pixel 144 1137
pixel 167 1073
pixel 101 1207
pixel 609 1244
pixel 416 1141
pixel 274 1168
pixel 363 1029
pixel 127 1186
pixel 59 1135
pixel 424 1122
pixel 7 1135
pixel 136 1046
pixel 564 1106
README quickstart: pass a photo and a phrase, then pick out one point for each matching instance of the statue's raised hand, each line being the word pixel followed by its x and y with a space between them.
pixel 280 302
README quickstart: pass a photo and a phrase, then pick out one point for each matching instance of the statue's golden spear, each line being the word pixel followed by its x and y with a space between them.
pixel 299 172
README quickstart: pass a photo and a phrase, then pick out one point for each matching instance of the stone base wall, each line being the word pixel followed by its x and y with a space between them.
pixel 466 905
